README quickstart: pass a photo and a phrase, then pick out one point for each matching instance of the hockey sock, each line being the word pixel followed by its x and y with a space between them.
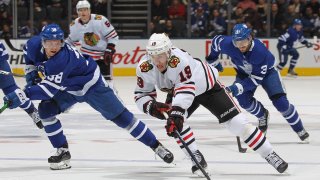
pixel 136 128
pixel 54 131
pixel 141 132
pixel 256 140
pixel 289 112
pixel 188 137
pixel 256 108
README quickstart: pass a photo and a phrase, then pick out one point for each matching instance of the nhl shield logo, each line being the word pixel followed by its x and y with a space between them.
pixel 174 61
pixel 145 67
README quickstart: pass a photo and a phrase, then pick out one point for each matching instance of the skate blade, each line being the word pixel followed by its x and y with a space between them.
pixel 306 141
pixel 199 173
pixel 291 76
pixel 61 165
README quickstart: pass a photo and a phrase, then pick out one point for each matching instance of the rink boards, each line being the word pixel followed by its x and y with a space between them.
pixel 129 52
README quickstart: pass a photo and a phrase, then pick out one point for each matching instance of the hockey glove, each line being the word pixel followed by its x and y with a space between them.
pixel 219 67
pixel 155 109
pixel 236 89
pixel 15 98
pixel 175 120
pixel 32 78
pixel 107 57
pixel 309 44
pixel 215 64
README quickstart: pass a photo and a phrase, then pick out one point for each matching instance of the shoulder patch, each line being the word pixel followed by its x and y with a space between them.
pixel 98 17
pixel 174 61
pixel 72 23
pixel 145 66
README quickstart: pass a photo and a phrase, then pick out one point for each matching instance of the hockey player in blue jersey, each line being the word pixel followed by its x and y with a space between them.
pixel 254 65
pixel 70 78
pixel 286 49
pixel 8 85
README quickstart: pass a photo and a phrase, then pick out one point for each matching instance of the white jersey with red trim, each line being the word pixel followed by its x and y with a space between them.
pixel 94 36
pixel 186 76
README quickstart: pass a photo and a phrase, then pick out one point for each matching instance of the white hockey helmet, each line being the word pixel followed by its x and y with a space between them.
pixel 83 4
pixel 158 43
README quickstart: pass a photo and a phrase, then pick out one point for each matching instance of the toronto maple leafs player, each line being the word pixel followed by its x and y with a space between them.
pixel 97 37
pixel 71 78
pixel 192 83
pixel 254 65
pixel 286 49
pixel 8 85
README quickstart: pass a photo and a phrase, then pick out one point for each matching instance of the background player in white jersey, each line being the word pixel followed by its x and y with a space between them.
pixel 8 85
pixel 70 78
pixel 97 37
pixel 194 83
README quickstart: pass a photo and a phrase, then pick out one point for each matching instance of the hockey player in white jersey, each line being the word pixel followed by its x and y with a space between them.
pixel 192 83
pixel 96 36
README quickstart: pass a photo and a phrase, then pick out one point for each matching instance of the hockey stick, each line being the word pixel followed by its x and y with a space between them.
pixel 8 42
pixel 10 73
pixel 191 155
pixel 4 107
pixel 241 149
pixel 188 150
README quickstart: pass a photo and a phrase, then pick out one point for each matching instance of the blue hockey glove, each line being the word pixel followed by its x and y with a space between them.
pixel 309 44
pixel 15 98
pixel 236 89
pixel 215 64
pixel 32 78
pixel 219 67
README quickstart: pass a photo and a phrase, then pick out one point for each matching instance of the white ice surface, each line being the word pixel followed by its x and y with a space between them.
pixel 101 150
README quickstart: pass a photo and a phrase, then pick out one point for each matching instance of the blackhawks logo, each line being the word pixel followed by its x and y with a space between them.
pixel 98 17
pixel 91 39
pixel 145 66
pixel 174 61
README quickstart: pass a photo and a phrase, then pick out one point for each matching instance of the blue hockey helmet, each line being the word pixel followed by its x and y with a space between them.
pixel 240 32
pixel 52 32
pixel 297 22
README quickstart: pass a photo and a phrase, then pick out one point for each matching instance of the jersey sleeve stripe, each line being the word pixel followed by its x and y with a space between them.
pixel 46 90
pixel 185 87
pixel 254 81
pixel 88 85
pixel 211 81
pixel 257 77
pixel 114 34
pixel 184 92
pixel 52 84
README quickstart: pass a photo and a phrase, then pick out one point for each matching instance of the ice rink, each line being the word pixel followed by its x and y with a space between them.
pixel 101 150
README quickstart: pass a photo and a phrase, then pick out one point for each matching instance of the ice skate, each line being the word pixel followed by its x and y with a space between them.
pixel 61 159
pixel 36 119
pixel 304 136
pixel 195 169
pixel 163 153
pixel 292 73
pixel 277 162
pixel 263 122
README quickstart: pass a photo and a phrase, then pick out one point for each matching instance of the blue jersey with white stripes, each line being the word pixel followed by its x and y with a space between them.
pixel 67 71
pixel 3 53
pixel 253 65
pixel 290 37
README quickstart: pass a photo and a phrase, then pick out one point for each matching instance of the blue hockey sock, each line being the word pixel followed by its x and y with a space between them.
pixel 256 108
pixel 289 112
pixel 54 131
pixel 136 128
